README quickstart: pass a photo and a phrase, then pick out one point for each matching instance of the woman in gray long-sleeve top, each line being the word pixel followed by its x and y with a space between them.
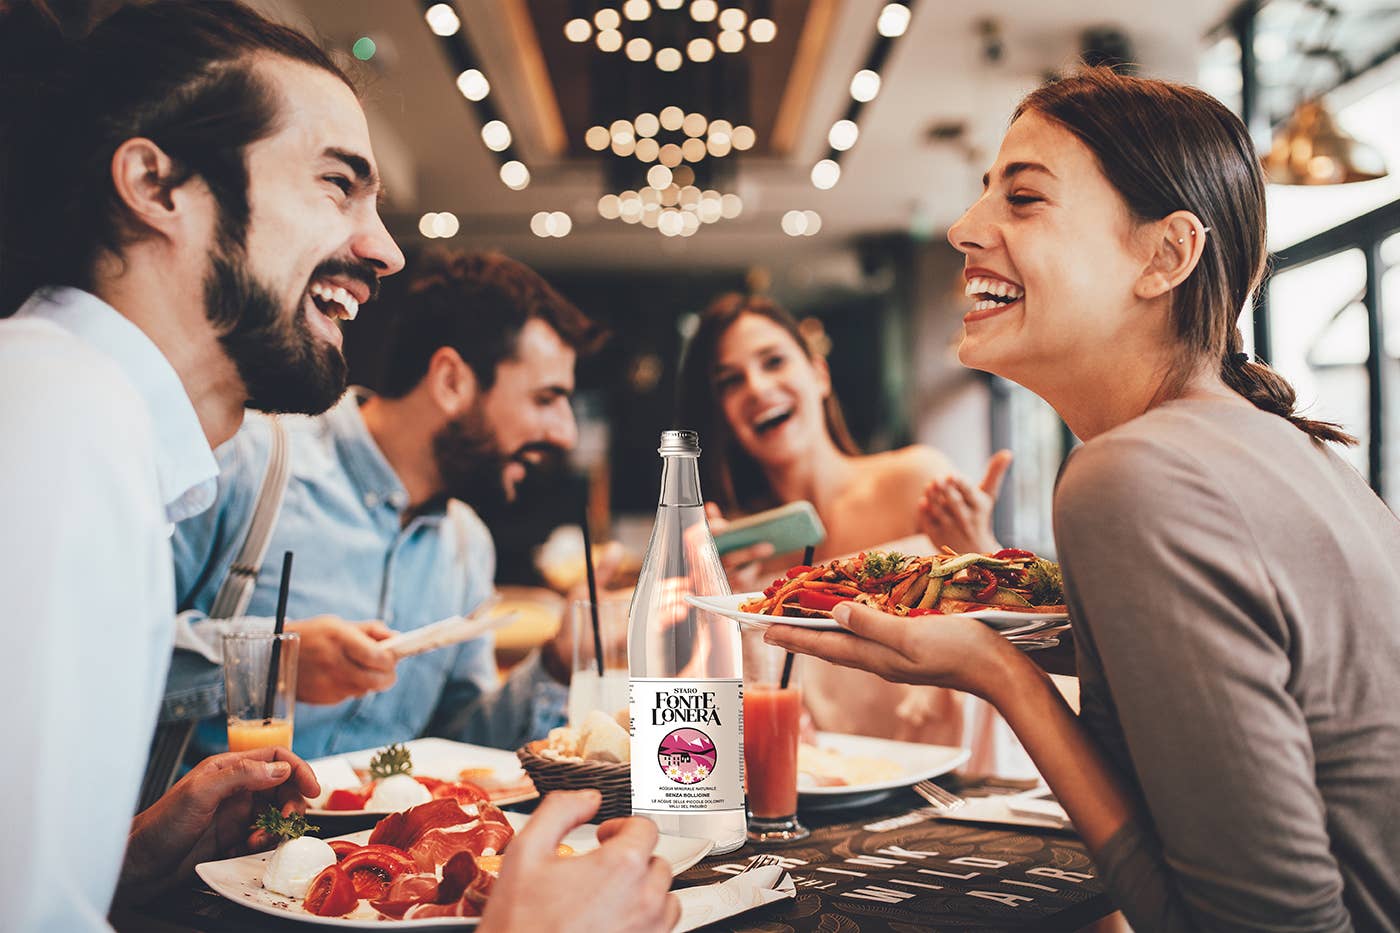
pixel 1234 584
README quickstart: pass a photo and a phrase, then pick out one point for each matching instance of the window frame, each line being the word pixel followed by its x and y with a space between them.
pixel 1365 233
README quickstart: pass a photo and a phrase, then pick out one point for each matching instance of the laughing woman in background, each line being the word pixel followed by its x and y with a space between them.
pixel 1233 582
pixel 774 433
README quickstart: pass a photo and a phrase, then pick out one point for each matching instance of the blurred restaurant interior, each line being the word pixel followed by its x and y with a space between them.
pixel 648 155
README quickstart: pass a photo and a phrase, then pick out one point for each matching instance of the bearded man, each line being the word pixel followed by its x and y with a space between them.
pixel 378 512
pixel 188 205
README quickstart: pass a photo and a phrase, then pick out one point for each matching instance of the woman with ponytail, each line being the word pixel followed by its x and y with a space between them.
pixel 1232 581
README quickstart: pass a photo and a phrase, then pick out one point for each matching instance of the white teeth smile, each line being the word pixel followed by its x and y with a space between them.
pixel 769 416
pixel 991 292
pixel 339 303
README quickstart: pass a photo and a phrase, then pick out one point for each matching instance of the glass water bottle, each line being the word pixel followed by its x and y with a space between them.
pixel 687 679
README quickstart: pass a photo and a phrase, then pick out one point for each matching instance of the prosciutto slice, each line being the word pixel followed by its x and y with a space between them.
pixel 490 813
pixel 437 846
pixel 402 830
pixel 404 892
pixel 462 892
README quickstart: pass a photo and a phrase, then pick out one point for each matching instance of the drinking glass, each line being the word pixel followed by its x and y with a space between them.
pixel 259 717
pixel 772 728
pixel 588 691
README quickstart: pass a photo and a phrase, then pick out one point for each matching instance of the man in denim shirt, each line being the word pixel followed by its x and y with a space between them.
pixel 477 393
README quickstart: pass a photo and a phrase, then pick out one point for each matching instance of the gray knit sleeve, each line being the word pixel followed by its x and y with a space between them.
pixel 1192 688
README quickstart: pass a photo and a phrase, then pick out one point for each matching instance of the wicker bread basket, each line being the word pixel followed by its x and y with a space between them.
pixel 612 780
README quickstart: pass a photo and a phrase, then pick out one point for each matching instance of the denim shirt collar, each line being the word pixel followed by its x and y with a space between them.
pixel 186 469
pixel 369 469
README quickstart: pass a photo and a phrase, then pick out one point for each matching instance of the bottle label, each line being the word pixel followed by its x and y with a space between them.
pixel 687 744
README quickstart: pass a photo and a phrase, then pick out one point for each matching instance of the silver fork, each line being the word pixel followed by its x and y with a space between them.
pixel 939 798
pixel 761 860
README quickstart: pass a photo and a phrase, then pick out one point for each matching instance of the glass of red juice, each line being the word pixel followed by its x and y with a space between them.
pixel 772 727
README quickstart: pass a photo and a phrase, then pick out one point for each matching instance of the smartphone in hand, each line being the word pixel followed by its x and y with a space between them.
pixel 788 528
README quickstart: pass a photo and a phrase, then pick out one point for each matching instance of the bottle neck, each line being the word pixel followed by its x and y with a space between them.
pixel 680 480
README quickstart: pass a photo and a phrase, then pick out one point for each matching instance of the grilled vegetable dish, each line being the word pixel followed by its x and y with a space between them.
pixel 944 584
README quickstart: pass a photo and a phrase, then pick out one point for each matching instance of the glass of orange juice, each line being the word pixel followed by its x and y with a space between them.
pixel 259 717
pixel 772 728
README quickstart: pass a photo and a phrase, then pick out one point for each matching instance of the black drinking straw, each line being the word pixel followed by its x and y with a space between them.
pixel 592 582
pixel 807 557
pixel 277 630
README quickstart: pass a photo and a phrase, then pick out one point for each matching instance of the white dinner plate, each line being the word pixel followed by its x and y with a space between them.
pixel 240 880
pixel 442 759
pixel 918 761
pixel 1009 623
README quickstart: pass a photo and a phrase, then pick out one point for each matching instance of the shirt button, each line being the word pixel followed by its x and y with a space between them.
pixel 398 499
pixel 371 499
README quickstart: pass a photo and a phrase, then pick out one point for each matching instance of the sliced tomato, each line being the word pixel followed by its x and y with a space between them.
pixel 1007 553
pixel 373 868
pixel 342 848
pixel 345 799
pixel 331 894
pixel 819 600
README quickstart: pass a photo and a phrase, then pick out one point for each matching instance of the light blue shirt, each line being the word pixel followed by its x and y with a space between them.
pixel 356 557
pixel 100 450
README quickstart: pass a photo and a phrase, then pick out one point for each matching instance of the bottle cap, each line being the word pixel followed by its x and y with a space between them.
pixel 679 442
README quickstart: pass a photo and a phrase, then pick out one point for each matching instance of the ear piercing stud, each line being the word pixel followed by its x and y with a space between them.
pixel 1193 233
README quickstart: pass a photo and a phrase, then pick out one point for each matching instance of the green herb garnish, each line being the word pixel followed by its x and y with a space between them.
pixel 881 564
pixel 1045 583
pixel 288 827
pixel 393 760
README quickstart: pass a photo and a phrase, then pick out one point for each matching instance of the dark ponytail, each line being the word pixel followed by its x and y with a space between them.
pixel 1169 147
pixel 1271 392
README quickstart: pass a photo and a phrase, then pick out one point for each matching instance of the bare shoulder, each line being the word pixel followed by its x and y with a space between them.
pixel 917 463
pixel 908 469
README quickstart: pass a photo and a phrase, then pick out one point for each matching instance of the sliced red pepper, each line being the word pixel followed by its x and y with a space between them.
pixel 372 869
pixel 332 893
pixel 987 577
pixel 924 612
pixel 342 848
pixel 795 572
pixel 1008 553
pixel 818 600
pixel 346 800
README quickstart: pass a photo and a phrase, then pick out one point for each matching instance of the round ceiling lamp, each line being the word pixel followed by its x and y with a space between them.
pixel 1311 149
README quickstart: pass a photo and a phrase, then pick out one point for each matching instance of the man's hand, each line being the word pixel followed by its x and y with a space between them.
pixel 340 659
pixel 557 654
pixel 209 813
pixel 619 887
pixel 954 512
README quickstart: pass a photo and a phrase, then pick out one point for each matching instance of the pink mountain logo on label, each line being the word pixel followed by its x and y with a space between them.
pixel 686 756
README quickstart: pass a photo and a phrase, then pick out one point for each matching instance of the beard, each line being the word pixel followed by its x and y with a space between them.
pixel 471 461
pixel 283 365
